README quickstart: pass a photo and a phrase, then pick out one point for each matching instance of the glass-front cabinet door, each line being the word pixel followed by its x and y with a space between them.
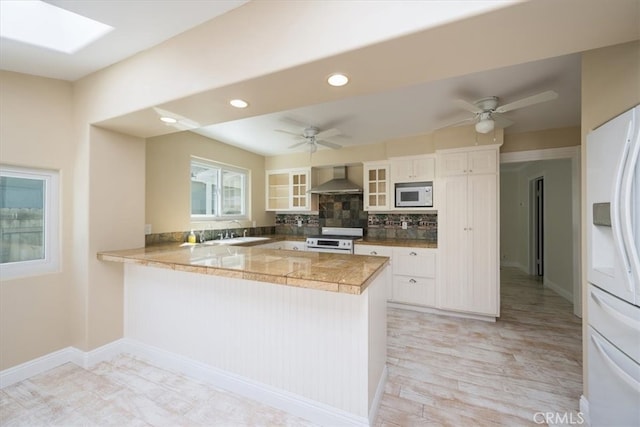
pixel 299 196
pixel 376 186
pixel 287 190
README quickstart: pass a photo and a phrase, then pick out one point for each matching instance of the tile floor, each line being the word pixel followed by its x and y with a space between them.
pixel 443 371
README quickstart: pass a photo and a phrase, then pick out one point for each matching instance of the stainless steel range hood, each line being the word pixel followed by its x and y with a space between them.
pixel 338 185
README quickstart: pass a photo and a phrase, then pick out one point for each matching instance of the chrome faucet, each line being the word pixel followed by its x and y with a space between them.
pixel 231 222
pixel 244 233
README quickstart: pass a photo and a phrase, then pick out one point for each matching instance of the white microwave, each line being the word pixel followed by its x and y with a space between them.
pixel 414 194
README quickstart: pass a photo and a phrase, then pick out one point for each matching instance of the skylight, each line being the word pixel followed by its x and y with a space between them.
pixel 42 24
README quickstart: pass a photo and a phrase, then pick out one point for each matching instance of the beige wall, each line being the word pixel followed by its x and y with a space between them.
pixel 116 218
pixel 37 132
pixel 610 86
pixel 168 192
pixel 540 140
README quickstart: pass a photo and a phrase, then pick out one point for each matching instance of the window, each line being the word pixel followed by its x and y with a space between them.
pixel 217 190
pixel 28 222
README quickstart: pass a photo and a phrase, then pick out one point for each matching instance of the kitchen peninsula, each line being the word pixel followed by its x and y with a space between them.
pixel 298 330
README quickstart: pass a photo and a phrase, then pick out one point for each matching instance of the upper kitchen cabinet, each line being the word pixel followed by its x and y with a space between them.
pixel 376 186
pixel 482 161
pixel 287 189
pixel 468 273
pixel 413 168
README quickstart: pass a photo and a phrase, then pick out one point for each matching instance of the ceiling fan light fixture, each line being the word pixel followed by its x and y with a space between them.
pixel 485 126
pixel 313 148
pixel 239 103
pixel 337 79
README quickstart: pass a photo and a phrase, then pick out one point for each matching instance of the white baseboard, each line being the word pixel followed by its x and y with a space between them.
pixel 584 409
pixel 36 366
pixel 558 289
pixel 291 403
pixel 375 405
pixel 42 364
pixel 433 310
pixel 294 404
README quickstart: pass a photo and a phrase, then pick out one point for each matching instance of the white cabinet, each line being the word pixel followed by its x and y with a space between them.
pixel 414 276
pixel 413 169
pixel 376 186
pixel 286 190
pixel 482 161
pixel 285 244
pixel 376 250
pixel 468 232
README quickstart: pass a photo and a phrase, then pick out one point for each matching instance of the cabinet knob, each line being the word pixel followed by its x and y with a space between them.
pixel 295 248
pixel 412 281
pixel 373 253
pixel 413 254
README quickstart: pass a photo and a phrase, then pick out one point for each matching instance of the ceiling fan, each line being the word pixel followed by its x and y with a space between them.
pixel 487 112
pixel 312 136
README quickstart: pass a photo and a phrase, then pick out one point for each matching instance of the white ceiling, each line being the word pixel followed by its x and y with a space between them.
pixel 138 25
pixel 362 120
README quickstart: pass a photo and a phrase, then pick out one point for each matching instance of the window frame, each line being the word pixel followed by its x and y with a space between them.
pixel 218 203
pixel 50 263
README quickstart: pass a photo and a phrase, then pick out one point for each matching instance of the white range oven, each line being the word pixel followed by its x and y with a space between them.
pixel 334 240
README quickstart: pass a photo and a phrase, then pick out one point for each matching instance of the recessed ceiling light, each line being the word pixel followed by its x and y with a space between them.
pixel 338 80
pixel 239 103
pixel 169 120
pixel 48 26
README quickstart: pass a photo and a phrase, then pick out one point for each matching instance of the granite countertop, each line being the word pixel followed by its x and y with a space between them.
pixel 349 274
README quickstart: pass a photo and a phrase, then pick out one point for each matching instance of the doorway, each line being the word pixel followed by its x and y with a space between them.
pixel 537 226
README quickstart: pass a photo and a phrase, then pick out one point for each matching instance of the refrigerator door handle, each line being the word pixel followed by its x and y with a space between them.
pixel 611 311
pixel 627 203
pixel 616 206
pixel 635 385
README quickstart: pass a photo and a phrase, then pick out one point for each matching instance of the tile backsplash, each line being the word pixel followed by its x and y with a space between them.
pixel 389 226
pixel 334 210
pixel 345 210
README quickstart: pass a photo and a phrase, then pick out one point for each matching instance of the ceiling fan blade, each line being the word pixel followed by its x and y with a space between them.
pixel 457 123
pixel 294 122
pixel 287 132
pixel 298 144
pixel 328 144
pixel 466 105
pixel 525 102
pixel 501 122
pixel 328 133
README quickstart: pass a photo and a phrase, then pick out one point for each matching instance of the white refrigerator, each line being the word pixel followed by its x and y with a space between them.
pixel 613 271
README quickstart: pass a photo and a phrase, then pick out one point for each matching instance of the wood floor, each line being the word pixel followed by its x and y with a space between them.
pixel 443 371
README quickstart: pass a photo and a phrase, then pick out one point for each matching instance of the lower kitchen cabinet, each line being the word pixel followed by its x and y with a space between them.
pixel 414 276
pixel 414 290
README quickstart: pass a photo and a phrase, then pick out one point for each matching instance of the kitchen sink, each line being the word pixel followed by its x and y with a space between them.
pixel 235 240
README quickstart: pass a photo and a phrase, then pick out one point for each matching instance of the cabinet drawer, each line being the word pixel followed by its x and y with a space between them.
pixel 414 262
pixel 373 250
pixel 414 290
